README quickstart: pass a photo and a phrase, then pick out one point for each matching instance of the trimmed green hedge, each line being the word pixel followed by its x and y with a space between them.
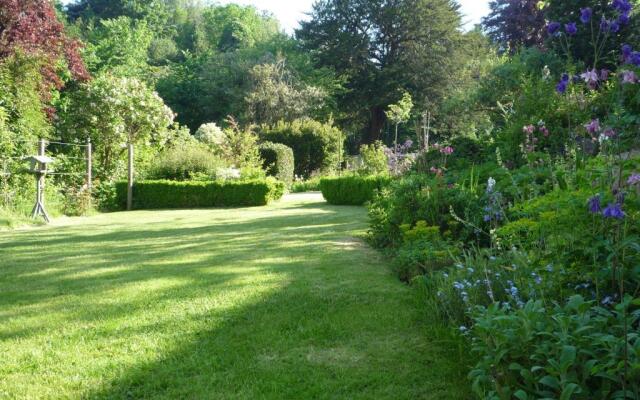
pixel 352 190
pixel 278 161
pixel 171 194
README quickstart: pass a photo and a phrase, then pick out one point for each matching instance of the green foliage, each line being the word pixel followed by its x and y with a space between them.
pixel 120 47
pixel 275 95
pixel 278 161
pixel 374 159
pixel 400 112
pixel 352 190
pixel 308 185
pixel 423 251
pixel 317 147
pixel 184 163
pixel 213 136
pixel 570 351
pixel 172 194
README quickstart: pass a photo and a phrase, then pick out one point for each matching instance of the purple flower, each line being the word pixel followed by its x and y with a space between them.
pixel 591 78
pixel 593 126
pixel 585 15
pixel 563 85
pixel 627 51
pixel 614 27
pixel 604 24
pixel 553 28
pixel 634 179
pixel 595 207
pixel 629 77
pixel 571 28
pixel 614 211
pixel 623 19
pixel 604 74
pixel 635 58
pixel 623 6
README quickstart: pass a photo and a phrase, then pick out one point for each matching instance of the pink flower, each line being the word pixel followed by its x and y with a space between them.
pixel 629 77
pixel 437 171
pixel 609 132
pixel 544 131
pixel 447 150
pixel 604 74
pixel 529 129
pixel 593 126
pixel 634 180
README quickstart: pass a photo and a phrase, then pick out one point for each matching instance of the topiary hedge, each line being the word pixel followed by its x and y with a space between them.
pixel 352 190
pixel 278 161
pixel 316 146
pixel 172 194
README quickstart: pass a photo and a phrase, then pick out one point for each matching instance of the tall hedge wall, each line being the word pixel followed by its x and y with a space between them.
pixel 352 190
pixel 278 161
pixel 316 146
pixel 171 194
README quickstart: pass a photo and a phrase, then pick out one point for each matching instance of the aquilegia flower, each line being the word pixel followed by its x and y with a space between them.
pixel 634 179
pixel 622 6
pixel 623 19
pixel 571 28
pixel 614 211
pixel 627 51
pixel 604 25
pixel 629 77
pixel 448 150
pixel 563 84
pixel 553 28
pixel 585 15
pixel 593 126
pixel 590 78
pixel 595 206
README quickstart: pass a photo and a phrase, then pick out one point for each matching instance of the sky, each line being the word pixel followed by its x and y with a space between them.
pixel 289 12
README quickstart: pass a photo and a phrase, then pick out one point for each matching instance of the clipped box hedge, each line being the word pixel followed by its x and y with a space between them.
pixel 352 190
pixel 164 194
pixel 278 161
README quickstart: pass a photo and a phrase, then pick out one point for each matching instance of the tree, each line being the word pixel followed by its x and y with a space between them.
pixel 513 24
pixel 120 46
pixel 400 113
pixel 32 27
pixel 276 95
pixel 380 45
pixel 115 111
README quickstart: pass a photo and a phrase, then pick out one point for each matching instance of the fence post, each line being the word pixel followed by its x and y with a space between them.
pixel 89 156
pixel 42 146
pixel 130 180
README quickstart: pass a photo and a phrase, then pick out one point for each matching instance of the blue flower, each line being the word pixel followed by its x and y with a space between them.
pixel 562 87
pixel 627 52
pixel 604 24
pixel 595 206
pixel 614 211
pixel 623 19
pixel 614 27
pixel 623 6
pixel 585 15
pixel 553 28
pixel 571 28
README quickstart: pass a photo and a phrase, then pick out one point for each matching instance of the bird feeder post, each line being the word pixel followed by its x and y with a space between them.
pixel 39 165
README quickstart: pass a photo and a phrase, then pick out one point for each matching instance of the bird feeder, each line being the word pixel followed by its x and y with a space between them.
pixel 39 167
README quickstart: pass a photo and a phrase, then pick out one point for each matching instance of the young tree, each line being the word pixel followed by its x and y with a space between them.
pixel 400 113
pixel 114 112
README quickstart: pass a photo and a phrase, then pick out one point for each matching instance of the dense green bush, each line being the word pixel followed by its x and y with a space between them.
pixel 308 185
pixel 172 194
pixel 186 162
pixel 374 159
pixel 316 146
pixel 352 190
pixel 278 161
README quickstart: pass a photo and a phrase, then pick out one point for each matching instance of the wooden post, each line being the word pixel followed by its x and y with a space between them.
pixel 89 156
pixel 130 180
pixel 41 152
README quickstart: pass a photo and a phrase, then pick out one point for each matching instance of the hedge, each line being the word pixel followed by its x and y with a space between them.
pixel 316 146
pixel 278 161
pixel 192 194
pixel 352 190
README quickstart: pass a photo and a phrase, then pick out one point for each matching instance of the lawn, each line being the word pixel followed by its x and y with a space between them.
pixel 257 303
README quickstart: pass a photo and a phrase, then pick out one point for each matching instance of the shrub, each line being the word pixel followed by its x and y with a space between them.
pixel 171 194
pixel 278 161
pixel 351 190
pixel 316 146
pixel 212 135
pixel 374 159
pixel 303 186
pixel 185 163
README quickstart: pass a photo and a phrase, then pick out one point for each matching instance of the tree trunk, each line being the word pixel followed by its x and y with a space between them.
pixel 376 125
